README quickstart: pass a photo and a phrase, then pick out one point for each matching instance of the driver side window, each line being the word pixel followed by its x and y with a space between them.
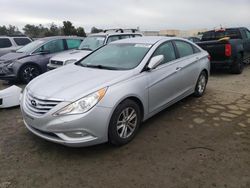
pixel 52 46
pixel 167 50
pixel 248 34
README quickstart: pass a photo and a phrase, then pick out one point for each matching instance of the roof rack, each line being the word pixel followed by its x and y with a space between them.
pixel 120 30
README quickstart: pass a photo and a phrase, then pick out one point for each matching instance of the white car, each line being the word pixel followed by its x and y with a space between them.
pixel 12 42
pixel 89 44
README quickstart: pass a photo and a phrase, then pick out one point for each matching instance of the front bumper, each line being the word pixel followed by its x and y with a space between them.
pixel 7 74
pixel 94 125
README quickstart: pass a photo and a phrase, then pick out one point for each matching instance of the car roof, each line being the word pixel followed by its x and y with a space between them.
pixel 144 40
pixel 13 36
pixel 114 33
pixel 60 37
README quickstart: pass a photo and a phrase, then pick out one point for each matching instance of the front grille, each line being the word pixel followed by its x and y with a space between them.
pixel 39 106
pixel 56 62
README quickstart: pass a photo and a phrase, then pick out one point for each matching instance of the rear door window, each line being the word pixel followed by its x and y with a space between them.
pixel 73 43
pixel 52 46
pixel 113 38
pixel 184 48
pixel 22 41
pixel 5 43
pixel 216 35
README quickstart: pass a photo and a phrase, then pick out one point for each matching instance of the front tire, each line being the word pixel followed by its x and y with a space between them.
pixel 28 72
pixel 124 123
pixel 201 84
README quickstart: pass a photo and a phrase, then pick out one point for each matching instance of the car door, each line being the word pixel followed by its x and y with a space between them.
pixel 246 43
pixel 6 46
pixel 188 65
pixel 163 80
pixel 50 49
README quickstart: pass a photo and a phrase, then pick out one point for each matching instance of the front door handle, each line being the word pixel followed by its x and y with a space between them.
pixel 178 69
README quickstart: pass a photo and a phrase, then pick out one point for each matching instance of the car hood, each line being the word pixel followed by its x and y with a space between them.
pixel 72 82
pixel 75 54
pixel 12 56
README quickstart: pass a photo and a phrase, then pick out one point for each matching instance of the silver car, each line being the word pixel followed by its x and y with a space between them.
pixel 105 96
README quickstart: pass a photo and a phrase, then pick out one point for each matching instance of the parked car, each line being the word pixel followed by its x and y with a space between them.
pixel 106 95
pixel 31 60
pixel 12 42
pixel 91 43
pixel 227 47
pixel 194 39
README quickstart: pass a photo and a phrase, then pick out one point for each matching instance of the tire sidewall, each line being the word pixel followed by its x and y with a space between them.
pixel 113 136
pixel 196 92
pixel 21 72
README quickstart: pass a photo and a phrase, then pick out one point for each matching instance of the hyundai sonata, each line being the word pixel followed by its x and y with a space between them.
pixel 105 96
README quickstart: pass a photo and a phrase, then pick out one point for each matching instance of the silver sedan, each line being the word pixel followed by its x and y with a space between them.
pixel 105 96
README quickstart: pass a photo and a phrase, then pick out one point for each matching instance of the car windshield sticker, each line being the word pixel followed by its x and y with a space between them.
pixel 143 45
pixel 100 38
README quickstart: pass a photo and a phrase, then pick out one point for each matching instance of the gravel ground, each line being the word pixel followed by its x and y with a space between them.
pixel 195 143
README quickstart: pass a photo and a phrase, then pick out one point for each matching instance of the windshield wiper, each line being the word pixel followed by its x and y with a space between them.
pixel 89 49
pixel 99 67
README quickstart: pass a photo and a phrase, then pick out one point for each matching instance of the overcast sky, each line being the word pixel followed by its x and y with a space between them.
pixel 147 14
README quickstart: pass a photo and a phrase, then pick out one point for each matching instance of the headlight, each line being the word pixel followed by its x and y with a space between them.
pixel 70 61
pixel 82 105
pixel 10 65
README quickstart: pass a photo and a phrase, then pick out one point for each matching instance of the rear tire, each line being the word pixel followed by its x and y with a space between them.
pixel 201 84
pixel 28 72
pixel 238 67
pixel 124 123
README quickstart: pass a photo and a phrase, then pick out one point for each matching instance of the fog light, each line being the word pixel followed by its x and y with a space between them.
pixel 78 134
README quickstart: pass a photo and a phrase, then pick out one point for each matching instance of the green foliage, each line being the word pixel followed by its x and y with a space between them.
pixel 95 30
pixel 80 32
pixel 10 30
pixel 39 31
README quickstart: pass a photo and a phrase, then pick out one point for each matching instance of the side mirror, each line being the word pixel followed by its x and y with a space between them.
pixel 155 61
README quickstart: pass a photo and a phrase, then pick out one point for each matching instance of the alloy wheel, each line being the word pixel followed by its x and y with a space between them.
pixel 202 83
pixel 126 123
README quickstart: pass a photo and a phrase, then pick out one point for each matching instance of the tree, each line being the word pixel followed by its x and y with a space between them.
pixel 13 30
pixel 80 32
pixel 68 28
pixel 32 31
pixel 53 30
pixel 3 30
pixel 10 30
pixel 95 30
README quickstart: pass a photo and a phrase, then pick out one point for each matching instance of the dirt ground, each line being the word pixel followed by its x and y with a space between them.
pixel 195 143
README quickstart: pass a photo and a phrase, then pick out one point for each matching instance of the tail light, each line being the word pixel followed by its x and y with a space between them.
pixel 209 57
pixel 228 50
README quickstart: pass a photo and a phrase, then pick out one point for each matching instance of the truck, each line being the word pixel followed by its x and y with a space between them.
pixel 228 48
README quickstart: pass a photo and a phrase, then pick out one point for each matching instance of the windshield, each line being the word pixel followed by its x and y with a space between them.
pixel 92 43
pixel 116 57
pixel 30 47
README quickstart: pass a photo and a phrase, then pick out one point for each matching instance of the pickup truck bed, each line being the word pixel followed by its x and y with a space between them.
pixel 227 48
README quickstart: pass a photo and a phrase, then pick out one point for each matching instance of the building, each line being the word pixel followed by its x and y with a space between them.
pixel 181 33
